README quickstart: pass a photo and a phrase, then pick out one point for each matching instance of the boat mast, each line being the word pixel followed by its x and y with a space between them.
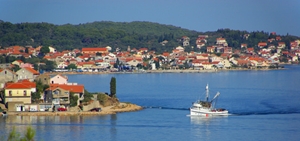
pixel 207 92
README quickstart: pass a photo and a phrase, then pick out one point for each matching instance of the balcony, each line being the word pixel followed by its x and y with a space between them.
pixel 60 96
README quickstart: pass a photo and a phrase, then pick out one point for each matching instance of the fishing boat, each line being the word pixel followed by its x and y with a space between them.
pixel 206 107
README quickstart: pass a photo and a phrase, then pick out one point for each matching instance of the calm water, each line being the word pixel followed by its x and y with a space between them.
pixel 265 106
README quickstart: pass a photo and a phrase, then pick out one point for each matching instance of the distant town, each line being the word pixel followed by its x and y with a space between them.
pixel 19 79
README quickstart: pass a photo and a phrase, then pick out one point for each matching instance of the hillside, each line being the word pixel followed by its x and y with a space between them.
pixel 119 35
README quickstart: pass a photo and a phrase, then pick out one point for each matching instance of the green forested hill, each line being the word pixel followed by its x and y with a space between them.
pixel 117 34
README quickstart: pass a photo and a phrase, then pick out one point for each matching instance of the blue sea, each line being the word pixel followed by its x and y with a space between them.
pixel 265 105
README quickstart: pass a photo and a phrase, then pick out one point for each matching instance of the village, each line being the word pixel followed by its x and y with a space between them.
pixel 18 86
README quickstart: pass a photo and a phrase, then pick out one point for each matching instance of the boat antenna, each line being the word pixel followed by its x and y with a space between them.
pixel 207 92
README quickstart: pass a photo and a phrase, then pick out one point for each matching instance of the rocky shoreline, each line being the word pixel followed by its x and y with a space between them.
pixel 122 107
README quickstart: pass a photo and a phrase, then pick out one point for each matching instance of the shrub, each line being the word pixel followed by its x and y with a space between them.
pixel 102 98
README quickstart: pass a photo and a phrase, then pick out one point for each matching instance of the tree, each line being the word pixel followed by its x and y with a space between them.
pixel 15 68
pixel 116 65
pixel 26 50
pixel 87 96
pixel 73 99
pixel 23 59
pixel 35 96
pixel 72 66
pixel 2 96
pixel 113 87
pixel 40 88
pixel 44 50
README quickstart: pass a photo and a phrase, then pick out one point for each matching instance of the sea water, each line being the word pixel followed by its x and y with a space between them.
pixel 264 106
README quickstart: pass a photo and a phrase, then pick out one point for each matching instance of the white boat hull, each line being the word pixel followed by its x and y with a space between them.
pixel 207 112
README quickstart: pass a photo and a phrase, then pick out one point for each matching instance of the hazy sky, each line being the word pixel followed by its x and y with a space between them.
pixel 281 16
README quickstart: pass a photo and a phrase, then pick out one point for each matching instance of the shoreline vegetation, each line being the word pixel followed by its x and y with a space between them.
pixel 108 110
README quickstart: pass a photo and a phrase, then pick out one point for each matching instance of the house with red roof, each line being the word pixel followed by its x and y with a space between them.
pixel 27 73
pixel 297 52
pixel 59 94
pixel 132 61
pixel 227 50
pixel 258 61
pixel 197 63
pixel 166 54
pixel 221 41
pixel 4 52
pixel 207 65
pixel 241 62
pixel 250 50
pixel 281 45
pixel 204 56
pixel 200 42
pixel 278 38
pixel 94 50
pixel 262 44
pixel 18 94
pixel 294 45
pixel 244 45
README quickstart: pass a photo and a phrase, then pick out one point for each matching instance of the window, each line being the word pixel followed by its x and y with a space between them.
pixel 10 93
pixel 24 92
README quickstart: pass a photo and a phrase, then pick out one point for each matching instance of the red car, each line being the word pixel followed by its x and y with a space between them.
pixel 61 109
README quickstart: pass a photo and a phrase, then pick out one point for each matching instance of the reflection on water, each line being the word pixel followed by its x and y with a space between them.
pixel 113 129
pixel 204 120
pixel 202 125
pixel 61 127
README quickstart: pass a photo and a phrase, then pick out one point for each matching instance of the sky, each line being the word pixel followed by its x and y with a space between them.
pixel 280 16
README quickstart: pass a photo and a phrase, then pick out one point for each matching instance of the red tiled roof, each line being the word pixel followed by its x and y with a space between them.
pixel 28 83
pixel 242 61
pixel 250 49
pixel 220 38
pixel 16 86
pixel 94 49
pixel 262 44
pixel 166 54
pixel 32 70
pixel 71 88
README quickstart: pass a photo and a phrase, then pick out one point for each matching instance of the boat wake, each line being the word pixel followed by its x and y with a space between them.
pixel 264 113
pixel 167 108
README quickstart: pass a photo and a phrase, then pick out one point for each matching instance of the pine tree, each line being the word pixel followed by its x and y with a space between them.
pixel 113 87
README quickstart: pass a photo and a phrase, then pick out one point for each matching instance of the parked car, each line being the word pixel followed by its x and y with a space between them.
pixel 61 109
pixel 96 110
